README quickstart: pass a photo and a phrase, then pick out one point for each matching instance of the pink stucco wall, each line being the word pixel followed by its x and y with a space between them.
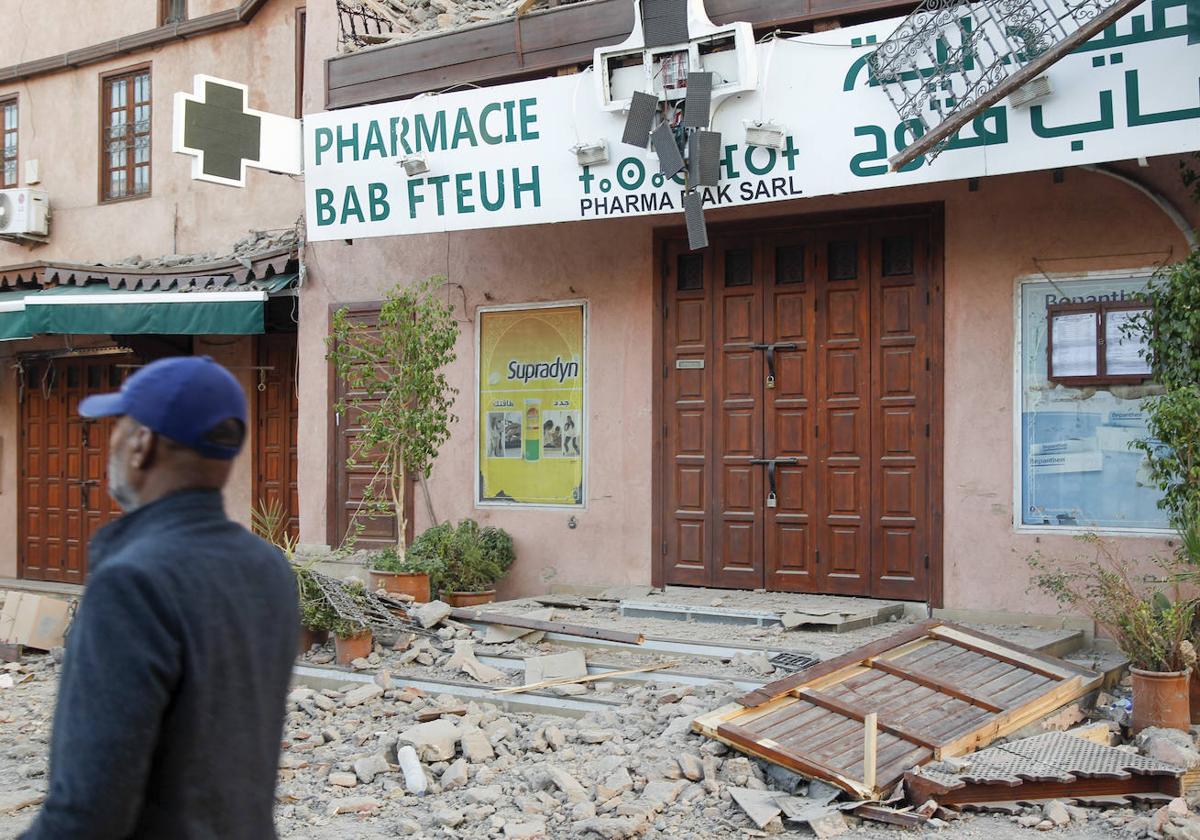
pixel 59 127
pixel 1011 227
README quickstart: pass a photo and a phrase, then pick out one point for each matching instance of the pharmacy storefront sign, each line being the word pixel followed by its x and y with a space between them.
pixel 503 156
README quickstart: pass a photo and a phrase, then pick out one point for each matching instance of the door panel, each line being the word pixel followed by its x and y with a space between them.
pixel 687 427
pixel 738 493
pixel 810 348
pixel 64 459
pixel 277 420
pixel 842 431
pixel 902 393
pixel 788 281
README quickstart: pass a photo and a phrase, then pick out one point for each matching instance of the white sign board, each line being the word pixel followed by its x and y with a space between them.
pixel 503 156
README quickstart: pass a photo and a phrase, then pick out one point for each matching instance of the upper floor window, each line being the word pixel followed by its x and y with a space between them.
pixel 125 135
pixel 8 143
pixel 172 11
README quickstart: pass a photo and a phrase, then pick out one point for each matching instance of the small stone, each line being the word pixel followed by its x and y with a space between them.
pixel 1057 813
pixel 366 769
pixel 689 764
pixel 1029 820
pixel 341 779
pixel 617 783
pixel 455 776
pixel 435 612
pixel 583 811
pixel 484 795
pixel 596 736
pixel 448 817
pixel 355 805
pixel 476 746
pixel 361 695
pixel 525 830
pixel 618 828
pixel 433 741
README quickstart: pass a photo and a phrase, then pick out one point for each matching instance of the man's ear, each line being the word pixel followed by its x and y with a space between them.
pixel 143 447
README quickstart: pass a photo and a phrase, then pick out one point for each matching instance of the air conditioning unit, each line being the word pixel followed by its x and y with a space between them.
pixel 24 214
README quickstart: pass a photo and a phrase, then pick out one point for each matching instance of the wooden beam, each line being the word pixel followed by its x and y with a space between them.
pixel 938 685
pixel 856 713
pixel 1026 74
pixel 777 753
pixel 870 733
pixel 516 689
pixel 821 669
pixel 468 615
pixel 1001 652
pixel 904 819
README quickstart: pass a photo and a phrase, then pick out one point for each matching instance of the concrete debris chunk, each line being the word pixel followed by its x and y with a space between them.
pixel 529 830
pixel 341 779
pixel 691 766
pixel 761 806
pixel 613 828
pixel 476 746
pixel 433 741
pixel 355 805
pixel 615 784
pixel 484 795
pixel 544 776
pixel 1168 745
pixel 465 661
pixel 433 613
pixel 368 767
pixel 499 634
pixel 455 776
pixel 567 665
pixel 361 695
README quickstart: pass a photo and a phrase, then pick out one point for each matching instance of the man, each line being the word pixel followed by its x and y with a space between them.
pixel 172 698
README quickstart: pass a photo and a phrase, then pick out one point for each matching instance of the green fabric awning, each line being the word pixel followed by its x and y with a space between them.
pixel 101 310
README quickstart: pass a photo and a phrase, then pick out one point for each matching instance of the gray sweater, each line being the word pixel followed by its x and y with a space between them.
pixel 172 697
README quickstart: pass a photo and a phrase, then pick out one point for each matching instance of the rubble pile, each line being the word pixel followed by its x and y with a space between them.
pixel 412 18
pixel 254 243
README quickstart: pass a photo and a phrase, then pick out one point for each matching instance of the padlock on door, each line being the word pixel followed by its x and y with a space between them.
pixel 771 381
pixel 771 501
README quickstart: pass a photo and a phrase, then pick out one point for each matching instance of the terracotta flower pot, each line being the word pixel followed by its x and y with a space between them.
pixel 1160 698
pixel 415 584
pixel 1194 694
pixel 310 637
pixel 469 599
pixel 349 648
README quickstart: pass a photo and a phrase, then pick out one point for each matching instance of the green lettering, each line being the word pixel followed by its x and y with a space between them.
pixel 432 136
pixel 462 192
pixel 511 136
pixel 440 181
pixel 324 142
pixel 374 141
pixel 727 163
pixel 380 209
pixel 325 211
pixel 534 186
pixel 463 129
pixel 413 198
pixel 483 191
pixel 488 137
pixel 858 162
pixel 351 207
pixel 528 120
pixel 750 161
pixel 350 142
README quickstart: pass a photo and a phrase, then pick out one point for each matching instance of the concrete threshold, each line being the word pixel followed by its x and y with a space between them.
pixel 834 620
pixel 318 677
pixel 42 587
pixel 510 663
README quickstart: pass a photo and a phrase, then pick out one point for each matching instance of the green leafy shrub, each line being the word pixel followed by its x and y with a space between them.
pixel 315 611
pixel 463 557
pixel 391 560
pixel 1151 626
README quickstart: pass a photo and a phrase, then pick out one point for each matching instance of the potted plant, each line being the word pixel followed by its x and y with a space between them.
pixel 401 574
pixel 351 638
pixel 1150 626
pixel 467 560
pixel 313 610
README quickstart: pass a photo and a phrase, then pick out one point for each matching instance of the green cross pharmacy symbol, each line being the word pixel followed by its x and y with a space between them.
pixel 224 137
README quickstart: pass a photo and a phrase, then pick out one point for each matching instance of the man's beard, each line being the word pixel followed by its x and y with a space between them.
pixel 118 486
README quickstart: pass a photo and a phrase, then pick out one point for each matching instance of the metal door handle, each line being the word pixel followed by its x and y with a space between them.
pixel 771 464
pixel 771 348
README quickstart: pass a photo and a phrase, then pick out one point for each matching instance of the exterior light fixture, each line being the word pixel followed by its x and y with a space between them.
pixel 591 154
pixel 769 135
pixel 414 165
pixel 1031 92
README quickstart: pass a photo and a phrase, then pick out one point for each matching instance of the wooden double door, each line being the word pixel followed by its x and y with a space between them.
pixel 798 410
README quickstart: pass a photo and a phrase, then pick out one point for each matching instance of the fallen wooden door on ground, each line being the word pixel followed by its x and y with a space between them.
pixel 937 690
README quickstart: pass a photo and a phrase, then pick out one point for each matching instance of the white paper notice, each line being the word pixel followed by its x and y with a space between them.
pixel 1122 352
pixel 1074 341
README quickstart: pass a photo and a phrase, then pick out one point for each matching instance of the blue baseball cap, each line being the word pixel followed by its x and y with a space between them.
pixel 180 397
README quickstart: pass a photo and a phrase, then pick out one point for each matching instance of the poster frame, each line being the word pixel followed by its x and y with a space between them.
pixel 1143 273
pixel 480 311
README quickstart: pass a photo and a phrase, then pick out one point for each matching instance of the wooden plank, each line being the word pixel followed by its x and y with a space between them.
pixel 1006 652
pixel 856 713
pixel 939 685
pixel 870 732
pixel 1013 719
pixel 778 754
pixel 606 675
pixel 878 813
pixel 10 652
pixel 839 663
pixel 467 615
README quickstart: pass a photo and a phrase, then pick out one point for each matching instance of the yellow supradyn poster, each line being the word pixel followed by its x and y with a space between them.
pixel 531 433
